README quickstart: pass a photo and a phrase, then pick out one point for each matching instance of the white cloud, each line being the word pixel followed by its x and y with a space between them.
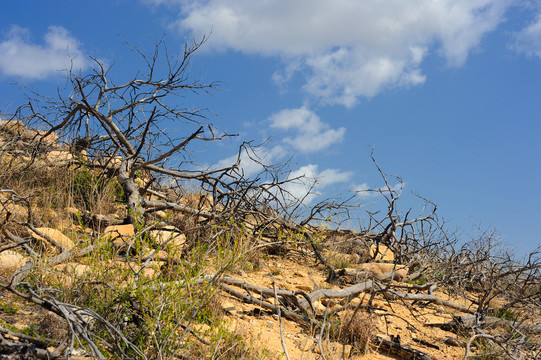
pixel 347 48
pixel 528 40
pixel 307 182
pixel 365 191
pixel 313 134
pixel 20 57
pixel 303 184
pixel 250 162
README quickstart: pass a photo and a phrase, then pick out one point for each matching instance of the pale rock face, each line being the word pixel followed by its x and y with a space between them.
pixel 74 269
pixel 161 214
pixel 12 125
pixel 57 156
pixel 50 139
pixel 11 261
pixel 165 237
pixel 382 251
pixel 115 231
pixel 72 211
pixel 401 271
pixel 57 236
pixel 18 212
pixel 120 236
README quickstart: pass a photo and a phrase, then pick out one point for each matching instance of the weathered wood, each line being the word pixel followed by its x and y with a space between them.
pixel 305 320
pixel 426 297
pixel 403 352
pixel 469 321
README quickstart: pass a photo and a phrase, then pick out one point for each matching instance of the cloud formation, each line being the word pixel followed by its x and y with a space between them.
pixel 251 160
pixel 20 57
pixel 364 191
pixel 346 48
pixel 307 181
pixel 528 40
pixel 312 134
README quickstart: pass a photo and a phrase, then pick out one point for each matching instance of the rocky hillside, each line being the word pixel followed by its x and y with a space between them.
pixel 99 260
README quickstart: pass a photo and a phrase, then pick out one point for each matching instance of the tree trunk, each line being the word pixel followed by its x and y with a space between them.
pixel 131 189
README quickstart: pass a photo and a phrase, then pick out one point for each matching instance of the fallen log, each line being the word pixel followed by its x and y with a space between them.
pixel 469 321
pixel 304 320
pixel 426 297
pixel 396 349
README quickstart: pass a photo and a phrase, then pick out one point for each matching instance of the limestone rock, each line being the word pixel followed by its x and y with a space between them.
pixel 228 307
pixel 17 212
pixel 160 214
pixel 271 300
pixel 114 231
pixel 74 269
pixel 55 235
pixel 381 253
pixel 57 156
pixel 381 268
pixel 73 211
pixel 319 307
pixel 168 237
pixel 10 261
pixel 15 126
pixel 308 344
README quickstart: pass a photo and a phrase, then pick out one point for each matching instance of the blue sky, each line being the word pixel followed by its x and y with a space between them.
pixel 447 93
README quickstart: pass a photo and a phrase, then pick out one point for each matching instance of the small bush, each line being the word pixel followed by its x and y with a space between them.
pixel 93 192
pixel 357 330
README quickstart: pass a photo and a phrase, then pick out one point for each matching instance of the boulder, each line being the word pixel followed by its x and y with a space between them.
pixel 169 237
pixel 381 268
pixel 115 231
pixel 57 236
pixel 10 261
pixel 381 253
pixel 17 212
pixel 74 269
pixel 51 139
pixel 15 126
pixel 59 156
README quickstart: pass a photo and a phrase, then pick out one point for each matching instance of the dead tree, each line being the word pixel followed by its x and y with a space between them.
pixel 123 126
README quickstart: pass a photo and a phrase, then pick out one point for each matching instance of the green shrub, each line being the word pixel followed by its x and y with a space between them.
pixel 91 191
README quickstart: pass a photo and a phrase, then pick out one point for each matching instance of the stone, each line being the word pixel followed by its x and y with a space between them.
pixel 56 235
pixel 160 214
pixel 17 212
pixel 381 253
pixel 168 237
pixel 11 125
pixel 114 231
pixel 228 307
pixel 56 156
pixel 73 211
pixel 150 270
pixel 161 254
pixel 271 300
pixel 10 261
pixel 50 139
pixel 74 269
pixel 319 307
pixel 401 271
pixel 307 344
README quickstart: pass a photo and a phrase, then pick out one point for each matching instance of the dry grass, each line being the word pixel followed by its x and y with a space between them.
pixel 357 330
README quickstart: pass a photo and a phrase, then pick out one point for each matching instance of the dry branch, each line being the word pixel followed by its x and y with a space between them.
pixel 401 351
